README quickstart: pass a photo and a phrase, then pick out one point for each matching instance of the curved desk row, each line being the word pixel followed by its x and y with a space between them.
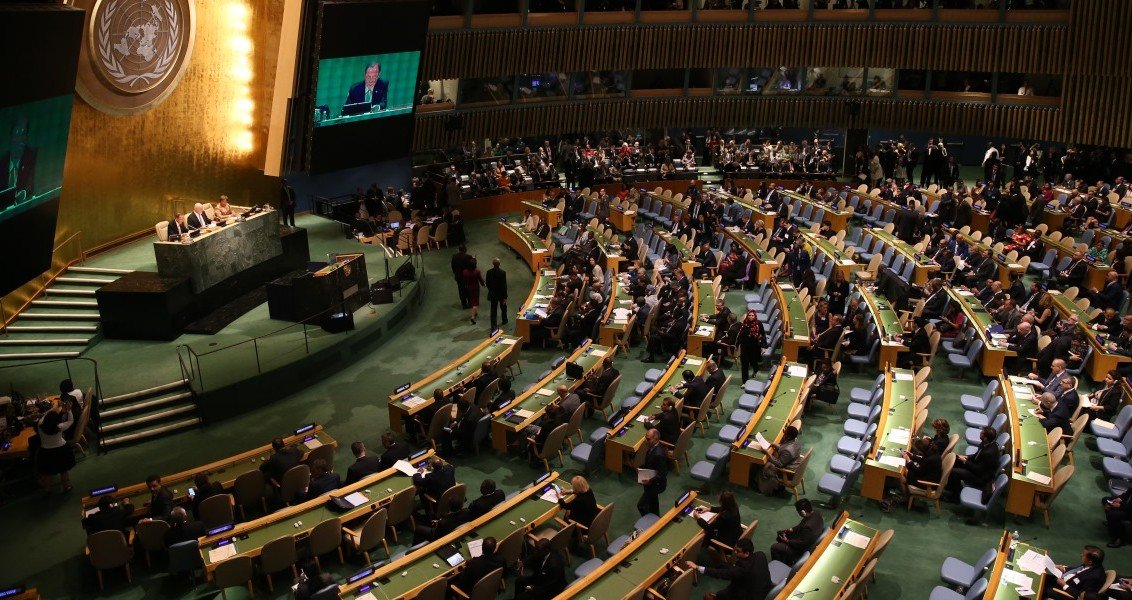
pixel 888 326
pixel 894 433
pixel 925 267
pixel 835 563
pixel 704 295
pixel 995 352
pixel 767 265
pixel 781 402
pixel 1103 360
pixel 795 324
pixel 530 247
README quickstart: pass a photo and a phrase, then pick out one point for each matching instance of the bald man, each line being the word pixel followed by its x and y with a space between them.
pixel 198 220
pixel 1024 341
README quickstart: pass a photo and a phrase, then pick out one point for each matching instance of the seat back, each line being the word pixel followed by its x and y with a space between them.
pixel 184 557
pixel 450 495
pixel 681 587
pixel 487 588
pixel 108 549
pixel 945 474
pixel 683 442
pixel 599 527
pixel 151 534
pixel 162 229
pixel 295 480
pixel 440 420
pixel 216 510
pixel 248 488
pixel 232 572
pixel 278 554
pixel 326 536
pixel 373 531
pixel 401 506
pixel 574 425
pixel 553 443
pixel 562 537
pixel 510 547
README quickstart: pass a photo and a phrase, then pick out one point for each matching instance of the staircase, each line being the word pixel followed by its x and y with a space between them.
pixel 143 414
pixel 63 322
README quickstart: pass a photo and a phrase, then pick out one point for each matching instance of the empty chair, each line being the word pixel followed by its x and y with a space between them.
pixel 217 510
pixel 108 550
pixel 590 454
pixel 960 574
pixel 370 535
pixel 708 471
pixel 294 483
pixel 968 360
pixel 982 418
pixel 1117 449
pixel 248 490
pixel 150 537
pixel 839 486
pixel 972 498
pixel 971 402
pixel 233 572
pixel 975 593
pixel 278 555
pixel 326 537
pixel 487 588
pixel 1119 427
pixel 598 529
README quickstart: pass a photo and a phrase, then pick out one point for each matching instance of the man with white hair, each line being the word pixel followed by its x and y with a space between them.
pixel 198 220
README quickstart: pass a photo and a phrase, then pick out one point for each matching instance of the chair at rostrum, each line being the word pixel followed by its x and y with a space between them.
pixel 294 482
pixel 149 535
pixel 109 550
pixel 233 572
pixel 216 510
pixel 559 539
pixel 326 537
pixel 277 555
pixel 487 588
pixel 792 480
pixel 370 535
pixel 400 510
pixel 1042 502
pixel 553 446
pixel 929 490
pixel 248 490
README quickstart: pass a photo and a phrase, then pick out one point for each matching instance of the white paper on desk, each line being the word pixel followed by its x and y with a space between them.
pixel 599 353
pixel 620 321
pixel 1033 562
pixel 644 475
pixel 902 376
pixel 786 286
pixel 796 371
pixel 761 441
pixel 1033 413
pixel 475 547
pixel 1038 477
pixel 857 540
pixel 540 313
pixel 312 444
pixel 356 499
pixel 221 553
pixel 90 512
pixel 508 341
pixel 695 362
pixel 705 330
pixel 549 272
pixel 523 413
pixel 899 436
pixel 366 596
pixel 550 496
pixel 895 461
pixel 1024 592
pixel 414 402
pixel 1103 424
pixel 405 467
pixel 643 419
pixel 964 292
pixel 1052 567
pixel 1018 579
pixel 544 392
pixel 707 515
pixel 621 313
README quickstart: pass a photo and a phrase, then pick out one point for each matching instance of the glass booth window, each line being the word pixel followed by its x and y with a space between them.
pixel 535 87
pixel 658 79
pixel 485 91
pixel 599 84
pixel 882 82
pixel 1029 84
pixel 439 91
pixel 834 81
pixel 785 80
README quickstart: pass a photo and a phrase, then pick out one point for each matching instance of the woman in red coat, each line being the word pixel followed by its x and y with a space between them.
pixel 473 279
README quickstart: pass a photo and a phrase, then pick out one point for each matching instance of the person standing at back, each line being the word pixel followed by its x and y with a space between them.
pixel 497 292
pixel 459 262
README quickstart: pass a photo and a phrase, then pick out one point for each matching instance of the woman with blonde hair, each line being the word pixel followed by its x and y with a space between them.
pixel 583 507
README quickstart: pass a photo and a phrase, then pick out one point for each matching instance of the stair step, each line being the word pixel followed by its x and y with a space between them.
pixel 37 355
pixel 82 280
pixel 66 291
pixel 142 434
pixel 45 342
pixel 65 303
pixel 148 417
pixel 61 316
pixel 53 328
pixel 98 270
pixel 123 408
pixel 146 392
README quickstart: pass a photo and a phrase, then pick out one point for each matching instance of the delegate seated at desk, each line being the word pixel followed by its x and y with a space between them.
pixel 198 220
pixel 368 94
pixel 177 227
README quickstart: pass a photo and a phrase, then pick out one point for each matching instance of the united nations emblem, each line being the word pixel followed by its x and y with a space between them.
pixel 136 52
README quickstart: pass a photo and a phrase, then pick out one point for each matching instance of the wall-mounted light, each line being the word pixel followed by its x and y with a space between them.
pixel 242 111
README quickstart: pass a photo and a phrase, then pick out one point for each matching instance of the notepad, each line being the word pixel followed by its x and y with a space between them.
pixel 550 495
pixel 356 499
pixel 705 330
pixel 508 341
pixel 761 441
pixel 796 371
pixel 475 547
pixel 312 444
pixel 902 376
pixel 856 540
pixel 643 418
pixel 895 461
pixel 644 475
pixel 1031 561
pixel 523 413
pixel 405 467
pixel 1017 578
pixel 366 596
pixel 1038 477
pixel 223 552
pixel 544 392
pixel 899 436
pixel 707 515
pixel 414 402
pixel 694 362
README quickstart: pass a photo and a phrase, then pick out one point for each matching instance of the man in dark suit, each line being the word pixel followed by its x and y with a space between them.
pixel 287 203
pixel 1073 274
pixel 198 220
pixel 323 480
pixel 160 498
pixel 1024 341
pixel 715 377
pixel 1054 414
pixel 936 300
pixel 364 465
pixel 394 450
pixel 177 227
pixel 436 481
pixel 1109 296
pixel 656 461
pixel 693 391
pixel 1117 511
pixel 110 516
pixel 204 489
pixel 280 461
pixel 825 343
pixel 367 94
pixel 1089 576
pixel 19 166
pixel 749 576
pixel 979 469
pixel 478 567
pixel 707 261
pixel 593 390
pixel 182 529
pixel 496 279
pixel 792 543
pixel 548 574
pixel 459 262
pixel 489 497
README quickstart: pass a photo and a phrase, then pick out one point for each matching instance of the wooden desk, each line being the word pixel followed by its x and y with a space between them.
pixel 888 327
pixel 622 220
pixel 551 216
pixel 1005 267
pixel 1032 473
pixel 703 305
pixel 767 264
pixel 642 562
pixel 894 433
pixel 688 262
pixel 994 354
pixel 613 327
pixel 1055 218
pixel 842 261
pixel 796 327
pixel 627 436
pixel 1009 553
pixel 1103 360
pixel 249 538
pixel 223 471
pixel 406 576
pixel 783 398
pixel 455 374
pixel 1095 278
pixel 838 219
pixel 534 400
pixel 610 249
pixel 527 245
pixel 749 204
pixel 925 266
pixel 834 563
pixel 542 290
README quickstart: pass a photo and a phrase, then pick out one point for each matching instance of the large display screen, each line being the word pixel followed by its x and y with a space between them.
pixel 369 52
pixel 33 146
pixel 365 87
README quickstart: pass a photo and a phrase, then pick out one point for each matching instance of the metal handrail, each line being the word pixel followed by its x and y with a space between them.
pixel 6 320
pixel 96 400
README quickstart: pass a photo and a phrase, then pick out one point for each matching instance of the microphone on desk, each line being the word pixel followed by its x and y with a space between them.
pixel 893 407
pixel 1027 458
pixel 800 594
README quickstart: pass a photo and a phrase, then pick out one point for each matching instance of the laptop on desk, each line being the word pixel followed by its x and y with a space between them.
pixel 357 108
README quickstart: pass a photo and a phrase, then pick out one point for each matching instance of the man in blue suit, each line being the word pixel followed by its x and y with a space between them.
pixel 367 94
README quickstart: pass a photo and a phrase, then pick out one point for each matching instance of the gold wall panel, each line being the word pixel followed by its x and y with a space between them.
pixel 206 139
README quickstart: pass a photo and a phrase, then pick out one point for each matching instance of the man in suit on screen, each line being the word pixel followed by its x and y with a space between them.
pixel 18 165
pixel 366 95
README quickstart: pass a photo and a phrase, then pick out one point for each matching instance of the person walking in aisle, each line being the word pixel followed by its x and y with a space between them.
pixel 497 292
pixel 459 263
pixel 473 279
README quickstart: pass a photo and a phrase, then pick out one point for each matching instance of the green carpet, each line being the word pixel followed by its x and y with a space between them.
pixel 43 539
